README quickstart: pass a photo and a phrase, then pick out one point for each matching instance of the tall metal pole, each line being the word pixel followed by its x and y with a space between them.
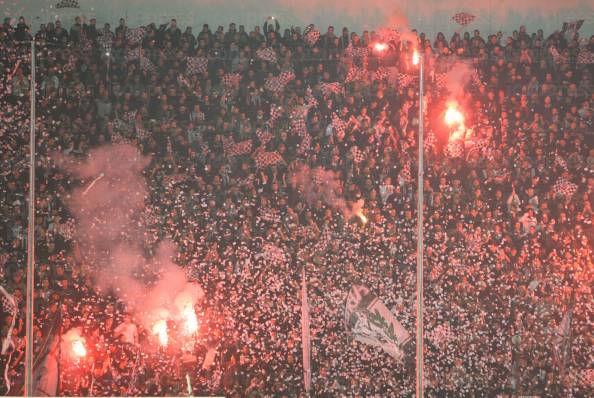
pixel 29 382
pixel 420 381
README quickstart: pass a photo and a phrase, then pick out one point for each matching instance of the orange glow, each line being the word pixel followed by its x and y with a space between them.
pixel 380 47
pixel 160 330
pixel 416 58
pixel 453 115
pixel 78 348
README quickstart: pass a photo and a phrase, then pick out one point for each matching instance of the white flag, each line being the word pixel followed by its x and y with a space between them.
pixel 370 322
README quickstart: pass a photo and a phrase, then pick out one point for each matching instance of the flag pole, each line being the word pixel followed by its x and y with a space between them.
pixel 419 337
pixel 29 382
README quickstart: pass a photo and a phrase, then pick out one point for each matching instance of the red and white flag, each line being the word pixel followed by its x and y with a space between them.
pixel 240 148
pixel 266 54
pixel 331 88
pixel 358 155
pixel 264 136
pixel 135 35
pixel 585 57
pixel 311 36
pixel 463 18
pixel 564 187
pixel 339 126
pixel 356 74
pixel 264 159
pixel 278 83
pixel 231 80
pixel 196 65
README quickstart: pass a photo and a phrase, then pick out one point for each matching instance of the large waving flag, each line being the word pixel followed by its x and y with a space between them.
pixel 370 322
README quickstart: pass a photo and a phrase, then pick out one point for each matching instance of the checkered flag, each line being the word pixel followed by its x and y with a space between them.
pixel 310 100
pixel 563 187
pixel 9 306
pixel 276 111
pixel 196 65
pixel 585 57
pixel 298 125
pixel 440 80
pixel 68 229
pixel 454 149
pixel 356 52
pixel 358 155
pixel 68 4
pixel 241 148
pixel 339 126
pixel 305 144
pixel 278 83
pixel 267 54
pixel 430 141
pixel 463 18
pixel 231 80
pixel 134 36
pixel 265 159
pixel 331 88
pixel 146 65
pixel 264 136
pixel 105 39
pixel 381 73
pixel 356 74
pixel 311 36
pixel 405 80
pixel 405 174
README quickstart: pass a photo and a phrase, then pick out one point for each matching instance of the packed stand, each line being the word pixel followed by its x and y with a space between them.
pixel 228 116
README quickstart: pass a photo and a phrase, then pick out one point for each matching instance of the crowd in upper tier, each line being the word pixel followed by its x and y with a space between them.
pixel 227 116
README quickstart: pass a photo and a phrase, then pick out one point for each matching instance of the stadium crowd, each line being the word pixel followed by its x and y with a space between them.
pixel 227 117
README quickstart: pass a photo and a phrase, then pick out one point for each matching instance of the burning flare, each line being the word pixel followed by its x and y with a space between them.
pixel 416 58
pixel 453 116
pixel 380 47
pixel 160 330
pixel 189 319
pixel 78 348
